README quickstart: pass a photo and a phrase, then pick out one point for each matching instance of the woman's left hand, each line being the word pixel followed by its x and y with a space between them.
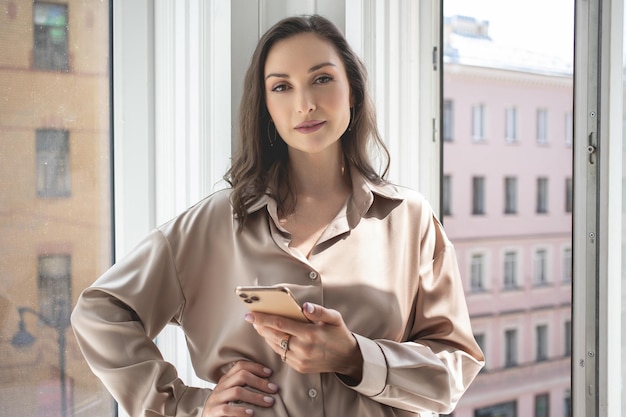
pixel 324 345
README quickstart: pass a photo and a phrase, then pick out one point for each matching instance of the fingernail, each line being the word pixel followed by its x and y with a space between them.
pixel 249 318
pixel 249 411
pixel 268 400
pixel 272 386
pixel 267 371
pixel 310 308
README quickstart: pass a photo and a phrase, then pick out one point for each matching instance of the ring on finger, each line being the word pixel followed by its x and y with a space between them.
pixel 284 345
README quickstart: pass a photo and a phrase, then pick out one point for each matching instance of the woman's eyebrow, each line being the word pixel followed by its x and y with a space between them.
pixel 312 69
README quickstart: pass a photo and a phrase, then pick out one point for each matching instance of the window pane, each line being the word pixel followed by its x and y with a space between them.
pixel 50 26
pixel 448 120
pixel 55 203
pixel 512 88
pixel 478 195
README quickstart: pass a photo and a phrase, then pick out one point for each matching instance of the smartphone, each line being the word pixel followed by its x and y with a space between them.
pixel 278 300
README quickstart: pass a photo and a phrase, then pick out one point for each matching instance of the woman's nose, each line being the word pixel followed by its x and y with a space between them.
pixel 305 102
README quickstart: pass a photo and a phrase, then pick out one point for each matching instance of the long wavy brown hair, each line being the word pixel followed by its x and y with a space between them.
pixel 260 163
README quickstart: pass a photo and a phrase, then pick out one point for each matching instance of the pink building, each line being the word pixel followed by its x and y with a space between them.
pixel 507 207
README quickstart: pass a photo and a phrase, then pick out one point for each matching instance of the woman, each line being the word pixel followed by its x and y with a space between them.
pixel 389 333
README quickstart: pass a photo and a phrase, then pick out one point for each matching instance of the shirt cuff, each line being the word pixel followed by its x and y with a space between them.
pixel 374 376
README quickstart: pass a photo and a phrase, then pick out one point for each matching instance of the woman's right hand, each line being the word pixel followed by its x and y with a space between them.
pixel 232 395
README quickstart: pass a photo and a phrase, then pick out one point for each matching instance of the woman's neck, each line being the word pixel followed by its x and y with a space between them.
pixel 314 176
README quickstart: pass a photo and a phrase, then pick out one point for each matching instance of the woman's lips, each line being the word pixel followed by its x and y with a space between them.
pixel 310 126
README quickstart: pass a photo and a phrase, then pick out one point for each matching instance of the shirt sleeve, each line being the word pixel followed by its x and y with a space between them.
pixel 433 368
pixel 115 321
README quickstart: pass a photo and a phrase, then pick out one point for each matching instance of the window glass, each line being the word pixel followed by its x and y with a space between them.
pixel 542 126
pixel 446 195
pixel 478 195
pixel 510 132
pixel 510 195
pixel 50 32
pixel 511 160
pixel 510 270
pixel 478 122
pixel 448 120
pixel 55 200
pixel 542 195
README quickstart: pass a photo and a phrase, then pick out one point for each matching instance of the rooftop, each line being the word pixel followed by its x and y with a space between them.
pixel 467 42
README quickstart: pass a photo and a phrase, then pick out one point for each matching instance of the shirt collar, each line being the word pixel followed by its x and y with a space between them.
pixel 363 193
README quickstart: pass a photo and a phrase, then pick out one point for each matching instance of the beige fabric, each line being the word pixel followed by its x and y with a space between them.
pixel 384 263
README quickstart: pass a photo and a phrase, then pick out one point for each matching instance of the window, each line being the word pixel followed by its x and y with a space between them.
pixel 541 340
pixel 477 273
pixel 542 195
pixel 542 126
pixel 510 127
pixel 541 267
pixel 567 338
pixel 448 120
pixel 510 348
pixel 446 195
pixel 478 195
pixel 510 195
pixel 569 195
pixel 569 128
pixel 478 122
pixel 56 153
pixel 480 339
pixel 510 270
pixel 50 51
pixel 508 409
pixel 54 284
pixel 53 154
pixel 567 265
pixel 542 405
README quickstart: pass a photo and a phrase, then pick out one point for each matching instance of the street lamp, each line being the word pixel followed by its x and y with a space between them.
pixel 23 339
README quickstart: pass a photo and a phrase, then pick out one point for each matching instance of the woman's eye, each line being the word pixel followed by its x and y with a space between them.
pixel 279 88
pixel 323 79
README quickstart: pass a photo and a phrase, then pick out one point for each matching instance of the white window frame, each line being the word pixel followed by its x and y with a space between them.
pixel 597 217
pixel 478 271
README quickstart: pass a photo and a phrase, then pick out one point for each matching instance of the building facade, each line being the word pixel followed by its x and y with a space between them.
pixel 507 207
pixel 54 199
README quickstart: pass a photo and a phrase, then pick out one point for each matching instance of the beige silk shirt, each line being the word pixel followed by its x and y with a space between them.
pixel 384 263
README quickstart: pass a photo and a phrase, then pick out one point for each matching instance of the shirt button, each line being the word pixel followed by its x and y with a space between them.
pixel 312 393
pixel 313 275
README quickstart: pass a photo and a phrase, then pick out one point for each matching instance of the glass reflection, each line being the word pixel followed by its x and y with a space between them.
pixel 54 199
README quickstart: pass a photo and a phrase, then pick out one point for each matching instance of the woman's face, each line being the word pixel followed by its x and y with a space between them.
pixel 307 93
